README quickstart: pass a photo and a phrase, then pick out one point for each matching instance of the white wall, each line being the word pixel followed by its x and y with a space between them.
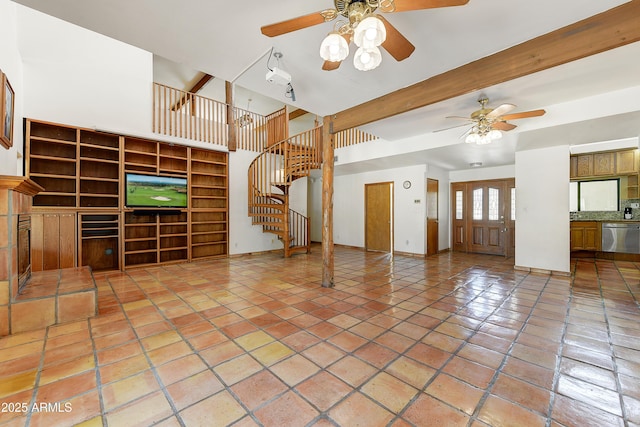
pixel 444 188
pixel 542 209
pixel 481 174
pixel 78 77
pixel 409 216
pixel 243 236
pixel 11 160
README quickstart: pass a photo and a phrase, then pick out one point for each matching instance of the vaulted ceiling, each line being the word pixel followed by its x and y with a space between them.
pixel 224 39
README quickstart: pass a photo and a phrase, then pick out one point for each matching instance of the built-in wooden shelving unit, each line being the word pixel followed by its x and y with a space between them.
pixel 208 189
pixel 83 171
pixel 52 162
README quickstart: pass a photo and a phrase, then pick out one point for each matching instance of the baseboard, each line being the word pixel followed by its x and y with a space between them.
pixel 544 271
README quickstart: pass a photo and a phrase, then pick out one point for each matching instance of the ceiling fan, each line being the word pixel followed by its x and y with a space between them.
pixel 487 123
pixel 367 29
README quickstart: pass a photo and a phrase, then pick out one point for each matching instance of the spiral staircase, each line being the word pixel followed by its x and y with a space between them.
pixel 271 175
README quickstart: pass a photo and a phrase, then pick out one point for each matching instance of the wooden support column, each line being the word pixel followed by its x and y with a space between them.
pixel 327 204
pixel 231 123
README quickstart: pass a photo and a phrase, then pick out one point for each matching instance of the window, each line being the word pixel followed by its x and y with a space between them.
pixel 477 204
pixel 513 204
pixel 494 204
pixel 601 195
pixel 459 204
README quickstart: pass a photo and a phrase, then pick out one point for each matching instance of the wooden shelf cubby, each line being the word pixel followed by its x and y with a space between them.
pixel 83 171
pixel 99 240
pixel 209 203
pixel 153 236
pixel 78 168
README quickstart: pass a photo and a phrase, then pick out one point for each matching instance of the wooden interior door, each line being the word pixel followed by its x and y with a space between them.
pixel 379 217
pixel 432 216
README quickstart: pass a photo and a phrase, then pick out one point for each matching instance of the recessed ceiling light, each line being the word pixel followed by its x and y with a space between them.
pixel 475 164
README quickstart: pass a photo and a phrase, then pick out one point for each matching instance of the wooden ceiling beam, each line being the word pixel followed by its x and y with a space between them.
pixel 194 89
pixel 608 30
pixel 297 113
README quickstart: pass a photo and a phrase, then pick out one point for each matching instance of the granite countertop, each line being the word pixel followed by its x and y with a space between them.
pixel 625 221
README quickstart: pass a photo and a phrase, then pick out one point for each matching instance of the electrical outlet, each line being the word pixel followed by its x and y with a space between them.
pixel 635 205
pixel 416 201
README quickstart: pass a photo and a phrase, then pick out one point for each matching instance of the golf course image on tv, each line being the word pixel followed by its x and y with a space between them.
pixel 155 191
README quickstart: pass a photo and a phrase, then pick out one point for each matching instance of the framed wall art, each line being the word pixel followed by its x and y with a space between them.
pixel 7 103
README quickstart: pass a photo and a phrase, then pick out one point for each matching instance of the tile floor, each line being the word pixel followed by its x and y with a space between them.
pixel 453 340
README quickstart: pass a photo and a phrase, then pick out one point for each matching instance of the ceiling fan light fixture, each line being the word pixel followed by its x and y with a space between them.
pixel 483 138
pixel 472 138
pixel 334 48
pixel 494 134
pixel 369 33
pixel 367 59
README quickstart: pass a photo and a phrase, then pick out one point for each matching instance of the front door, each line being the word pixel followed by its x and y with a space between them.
pixel 432 216
pixel 486 231
pixel 510 219
pixel 483 217
pixel 379 217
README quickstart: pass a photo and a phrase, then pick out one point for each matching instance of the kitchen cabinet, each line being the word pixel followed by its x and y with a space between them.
pixel 627 162
pixel 584 165
pixel 585 236
pixel 604 164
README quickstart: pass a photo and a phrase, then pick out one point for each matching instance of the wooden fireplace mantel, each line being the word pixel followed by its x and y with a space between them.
pixel 20 184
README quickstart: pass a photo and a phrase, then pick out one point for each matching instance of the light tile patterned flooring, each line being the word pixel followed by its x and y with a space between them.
pixel 453 340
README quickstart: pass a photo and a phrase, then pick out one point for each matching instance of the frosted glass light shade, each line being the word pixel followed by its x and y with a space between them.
pixel 495 134
pixel 482 139
pixel 367 59
pixel 334 48
pixel 369 33
pixel 472 138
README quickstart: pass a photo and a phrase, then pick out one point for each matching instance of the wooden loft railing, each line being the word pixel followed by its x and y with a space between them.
pixel 352 137
pixel 187 115
pixel 270 177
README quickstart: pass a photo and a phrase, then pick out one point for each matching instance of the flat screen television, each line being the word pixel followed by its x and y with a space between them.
pixel 152 191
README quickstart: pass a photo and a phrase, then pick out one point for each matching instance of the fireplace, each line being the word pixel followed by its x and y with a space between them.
pixel 24 250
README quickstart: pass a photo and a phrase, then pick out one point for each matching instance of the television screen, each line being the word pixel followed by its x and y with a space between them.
pixel 155 191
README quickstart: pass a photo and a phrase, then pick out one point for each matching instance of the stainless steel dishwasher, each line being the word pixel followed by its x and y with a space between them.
pixel 621 237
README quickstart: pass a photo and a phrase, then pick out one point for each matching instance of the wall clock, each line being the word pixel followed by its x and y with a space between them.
pixel 406 184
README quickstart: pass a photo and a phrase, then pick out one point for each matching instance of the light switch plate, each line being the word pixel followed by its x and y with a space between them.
pixel 635 205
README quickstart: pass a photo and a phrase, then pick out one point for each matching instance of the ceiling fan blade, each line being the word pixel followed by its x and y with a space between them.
pixel 294 24
pixel 331 65
pixel 406 5
pixel 396 44
pixel 500 110
pixel 459 117
pixel 452 127
pixel 503 126
pixel 524 115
